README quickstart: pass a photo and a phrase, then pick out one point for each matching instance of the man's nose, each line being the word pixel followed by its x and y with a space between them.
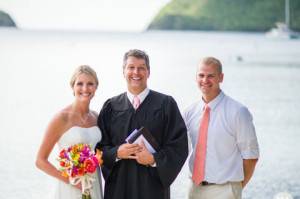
pixel 204 79
pixel 135 70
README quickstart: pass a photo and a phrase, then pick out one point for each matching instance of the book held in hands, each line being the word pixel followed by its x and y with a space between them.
pixel 143 134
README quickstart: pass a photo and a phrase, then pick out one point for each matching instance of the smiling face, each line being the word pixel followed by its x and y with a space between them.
pixel 84 87
pixel 208 79
pixel 136 74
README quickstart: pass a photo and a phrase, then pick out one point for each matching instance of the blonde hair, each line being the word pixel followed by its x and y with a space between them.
pixel 212 61
pixel 83 69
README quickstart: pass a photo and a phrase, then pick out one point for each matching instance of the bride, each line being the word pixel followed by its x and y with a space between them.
pixel 74 124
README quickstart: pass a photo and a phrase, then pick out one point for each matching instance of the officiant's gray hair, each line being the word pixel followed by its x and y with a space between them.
pixel 83 69
pixel 137 54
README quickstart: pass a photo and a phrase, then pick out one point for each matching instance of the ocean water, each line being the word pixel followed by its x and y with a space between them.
pixel 36 67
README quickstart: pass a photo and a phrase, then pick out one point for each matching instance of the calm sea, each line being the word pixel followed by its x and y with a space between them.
pixel 36 66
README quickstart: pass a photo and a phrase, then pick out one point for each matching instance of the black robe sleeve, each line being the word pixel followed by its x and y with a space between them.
pixel 171 157
pixel 105 145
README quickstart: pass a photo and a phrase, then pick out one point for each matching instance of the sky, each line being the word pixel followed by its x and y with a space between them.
pixel 106 15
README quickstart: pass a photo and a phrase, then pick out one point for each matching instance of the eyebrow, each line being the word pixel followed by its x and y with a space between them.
pixel 143 65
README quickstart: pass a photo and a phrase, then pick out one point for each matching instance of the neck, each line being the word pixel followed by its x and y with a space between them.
pixel 136 91
pixel 208 98
pixel 81 108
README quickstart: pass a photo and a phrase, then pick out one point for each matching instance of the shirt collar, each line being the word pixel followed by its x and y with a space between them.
pixel 141 95
pixel 213 104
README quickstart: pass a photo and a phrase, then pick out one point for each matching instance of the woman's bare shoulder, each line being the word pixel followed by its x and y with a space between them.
pixel 61 121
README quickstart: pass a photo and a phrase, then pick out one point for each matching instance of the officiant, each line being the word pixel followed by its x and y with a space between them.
pixel 130 170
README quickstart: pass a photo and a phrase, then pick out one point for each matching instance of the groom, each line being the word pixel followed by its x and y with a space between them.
pixel 134 172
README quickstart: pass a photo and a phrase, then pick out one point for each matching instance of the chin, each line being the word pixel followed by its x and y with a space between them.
pixel 205 91
pixel 85 99
pixel 136 86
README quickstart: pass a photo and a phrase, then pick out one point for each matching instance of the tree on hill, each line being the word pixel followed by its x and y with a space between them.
pixel 236 15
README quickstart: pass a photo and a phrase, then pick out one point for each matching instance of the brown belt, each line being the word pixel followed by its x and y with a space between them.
pixel 204 183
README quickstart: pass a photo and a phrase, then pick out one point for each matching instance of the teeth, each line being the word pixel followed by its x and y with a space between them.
pixel 136 78
pixel 85 94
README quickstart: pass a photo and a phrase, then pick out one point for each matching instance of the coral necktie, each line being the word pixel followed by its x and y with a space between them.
pixel 136 102
pixel 199 162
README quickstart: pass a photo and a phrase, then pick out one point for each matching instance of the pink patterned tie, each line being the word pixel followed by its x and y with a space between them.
pixel 199 162
pixel 136 102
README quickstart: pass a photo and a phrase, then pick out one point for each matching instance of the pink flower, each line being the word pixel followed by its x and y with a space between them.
pixel 90 165
pixel 95 160
pixel 74 172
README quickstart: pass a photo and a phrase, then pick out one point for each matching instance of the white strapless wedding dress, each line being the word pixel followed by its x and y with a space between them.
pixel 72 136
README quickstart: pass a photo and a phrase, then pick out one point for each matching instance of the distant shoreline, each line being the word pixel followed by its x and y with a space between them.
pixel 6 20
pixel 230 15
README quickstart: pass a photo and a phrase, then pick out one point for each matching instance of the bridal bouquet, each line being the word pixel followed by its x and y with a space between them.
pixel 78 162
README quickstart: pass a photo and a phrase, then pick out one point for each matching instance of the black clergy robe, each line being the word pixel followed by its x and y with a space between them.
pixel 126 179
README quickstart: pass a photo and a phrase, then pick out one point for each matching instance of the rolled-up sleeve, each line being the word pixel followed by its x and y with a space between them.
pixel 246 135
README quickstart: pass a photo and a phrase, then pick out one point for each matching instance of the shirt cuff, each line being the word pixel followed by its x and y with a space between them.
pixel 153 165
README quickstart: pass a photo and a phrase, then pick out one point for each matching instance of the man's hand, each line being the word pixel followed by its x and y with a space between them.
pixel 128 151
pixel 144 157
pixel 249 165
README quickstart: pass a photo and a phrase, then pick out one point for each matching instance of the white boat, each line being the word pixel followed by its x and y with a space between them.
pixel 282 30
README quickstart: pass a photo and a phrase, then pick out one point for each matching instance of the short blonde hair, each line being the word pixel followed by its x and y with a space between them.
pixel 83 69
pixel 212 61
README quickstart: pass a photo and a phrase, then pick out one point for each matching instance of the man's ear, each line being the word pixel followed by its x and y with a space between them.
pixel 221 77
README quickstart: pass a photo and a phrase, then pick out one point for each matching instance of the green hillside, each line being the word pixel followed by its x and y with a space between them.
pixel 6 20
pixel 229 15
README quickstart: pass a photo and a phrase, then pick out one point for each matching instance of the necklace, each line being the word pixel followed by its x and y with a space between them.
pixel 85 118
pixel 81 113
pixel 82 118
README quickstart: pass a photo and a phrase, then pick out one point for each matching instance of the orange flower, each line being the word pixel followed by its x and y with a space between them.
pixel 65 174
pixel 81 171
pixel 98 155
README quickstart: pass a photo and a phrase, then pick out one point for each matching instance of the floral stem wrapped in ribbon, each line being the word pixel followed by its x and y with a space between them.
pixel 78 162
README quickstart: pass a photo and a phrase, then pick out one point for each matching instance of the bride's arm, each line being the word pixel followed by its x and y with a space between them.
pixel 53 132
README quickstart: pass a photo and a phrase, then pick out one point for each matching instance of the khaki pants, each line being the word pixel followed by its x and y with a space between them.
pixel 230 190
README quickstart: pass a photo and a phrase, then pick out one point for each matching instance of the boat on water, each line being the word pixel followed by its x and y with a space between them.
pixel 282 30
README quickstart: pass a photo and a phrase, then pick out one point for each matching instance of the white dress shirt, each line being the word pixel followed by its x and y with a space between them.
pixel 141 96
pixel 231 138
